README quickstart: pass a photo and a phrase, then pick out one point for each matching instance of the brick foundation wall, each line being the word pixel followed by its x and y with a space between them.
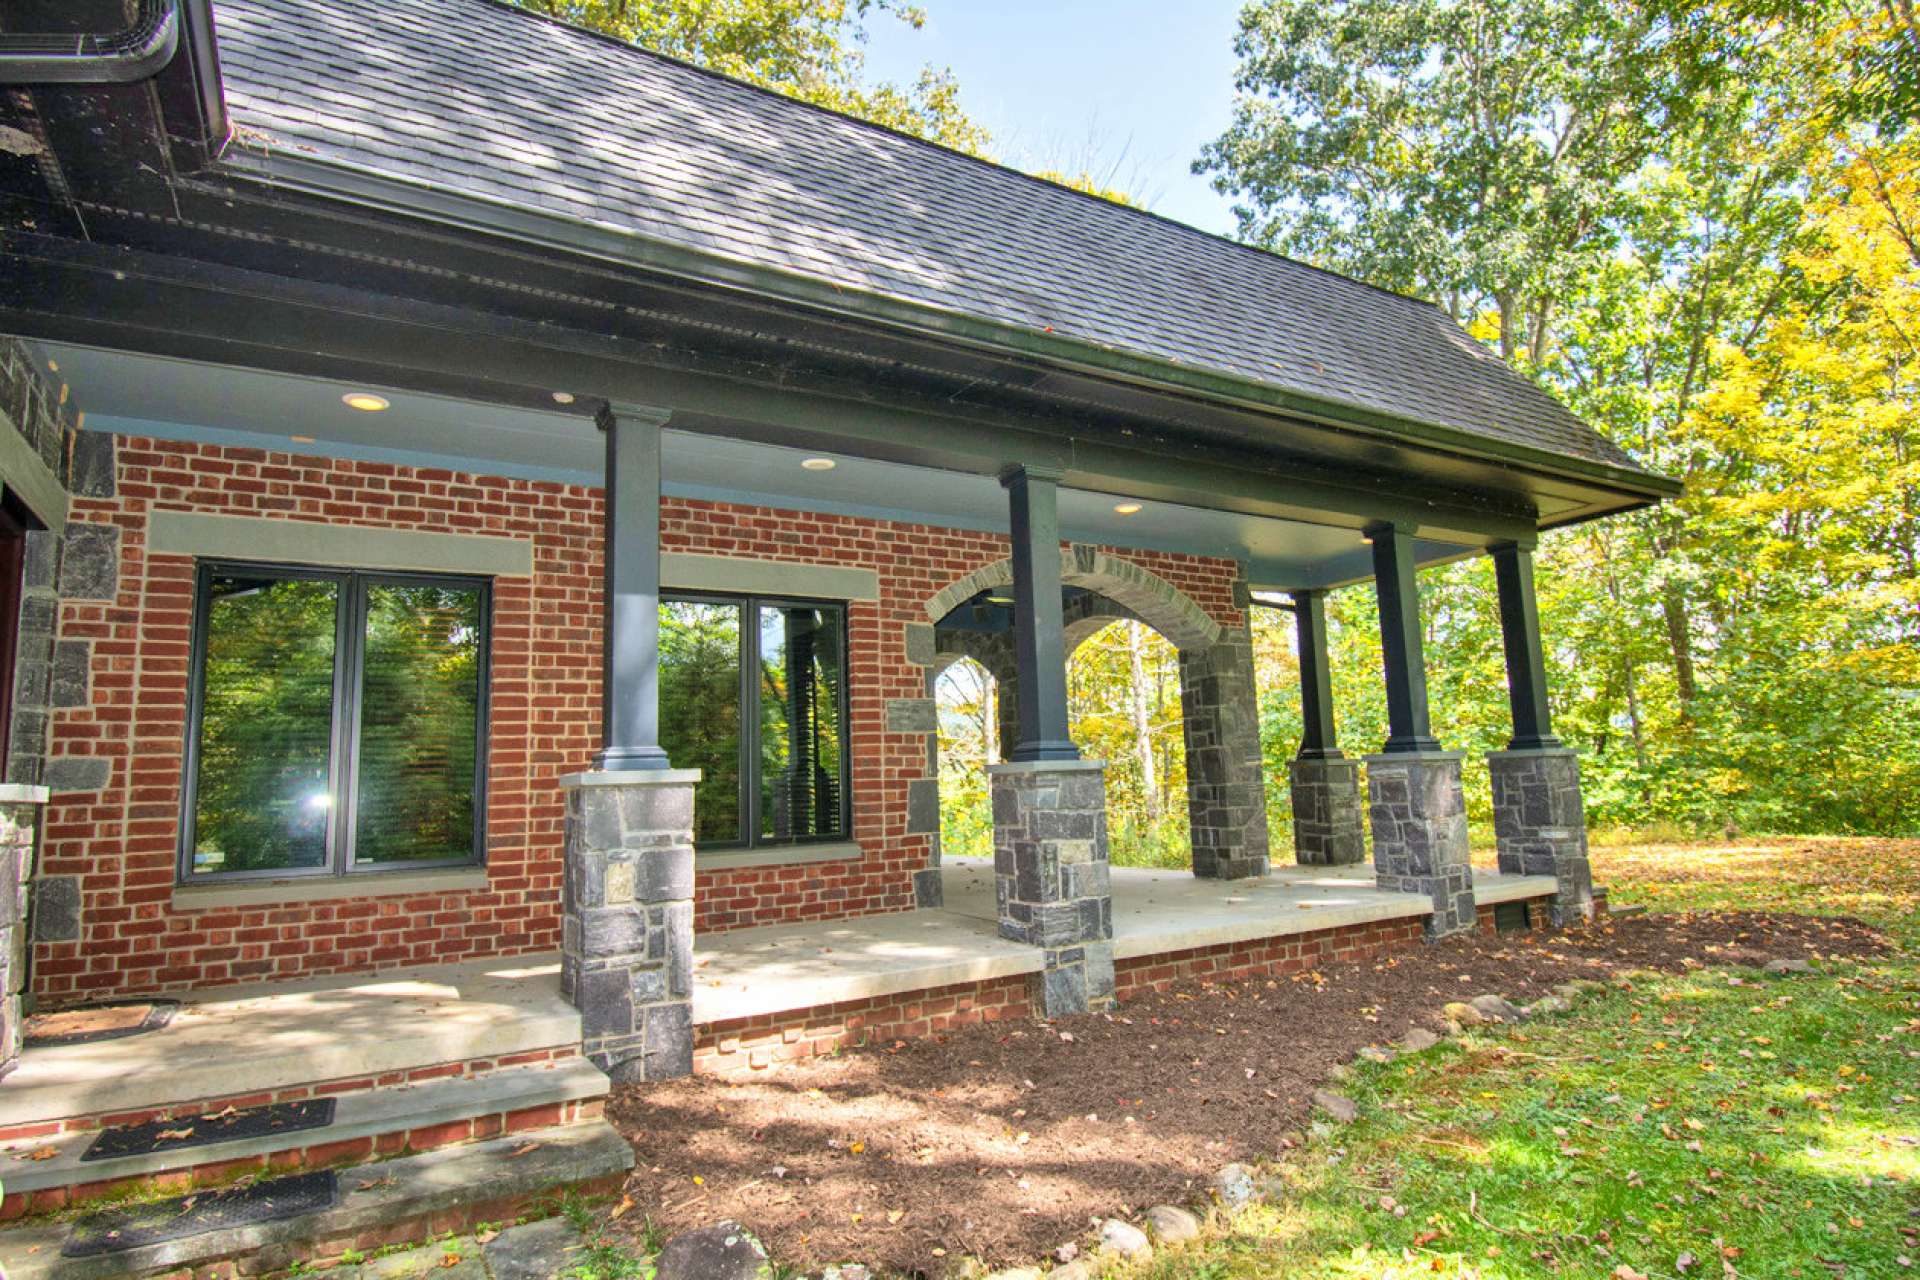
pixel 115 844
pixel 1267 957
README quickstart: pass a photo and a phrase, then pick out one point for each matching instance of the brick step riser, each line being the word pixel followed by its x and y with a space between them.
pixel 213 1170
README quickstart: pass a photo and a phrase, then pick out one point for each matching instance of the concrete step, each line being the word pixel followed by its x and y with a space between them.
pixel 393 1202
pixel 367 1124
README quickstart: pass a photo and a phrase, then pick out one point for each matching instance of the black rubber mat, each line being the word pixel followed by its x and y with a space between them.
pixel 160 1012
pixel 221 1126
pixel 119 1230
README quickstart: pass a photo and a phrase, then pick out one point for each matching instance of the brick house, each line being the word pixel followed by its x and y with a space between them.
pixel 484 506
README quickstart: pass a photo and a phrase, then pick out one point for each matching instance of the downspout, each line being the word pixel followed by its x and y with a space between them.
pixel 136 52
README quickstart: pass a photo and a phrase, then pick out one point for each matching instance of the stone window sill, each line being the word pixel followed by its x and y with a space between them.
pixel 273 893
pixel 782 856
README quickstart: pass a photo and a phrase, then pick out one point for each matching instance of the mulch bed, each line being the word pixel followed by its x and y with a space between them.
pixel 1003 1140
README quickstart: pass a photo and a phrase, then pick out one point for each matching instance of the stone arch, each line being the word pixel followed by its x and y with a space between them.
pixel 1147 596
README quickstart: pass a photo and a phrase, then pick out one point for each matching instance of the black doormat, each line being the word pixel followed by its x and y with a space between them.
pixel 111 1020
pixel 119 1230
pixel 222 1126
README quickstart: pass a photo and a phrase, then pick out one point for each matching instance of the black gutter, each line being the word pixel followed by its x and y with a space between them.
pixel 138 51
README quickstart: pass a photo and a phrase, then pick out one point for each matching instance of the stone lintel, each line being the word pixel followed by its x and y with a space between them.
pixel 21 793
pixel 629 778
pixel 1013 767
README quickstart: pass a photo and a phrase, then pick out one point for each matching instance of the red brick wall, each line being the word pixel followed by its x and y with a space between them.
pixel 545 709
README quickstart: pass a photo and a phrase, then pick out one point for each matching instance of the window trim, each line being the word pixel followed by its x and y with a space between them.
pixel 748 767
pixel 350 615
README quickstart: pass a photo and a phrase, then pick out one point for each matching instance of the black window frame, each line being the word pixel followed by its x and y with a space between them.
pixel 350 623
pixel 748 767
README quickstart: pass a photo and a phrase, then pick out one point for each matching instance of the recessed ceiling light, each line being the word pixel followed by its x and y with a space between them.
pixel 301 439
pixel 818 464
pixel 563 397
pixel 364 401
pixel 1127 508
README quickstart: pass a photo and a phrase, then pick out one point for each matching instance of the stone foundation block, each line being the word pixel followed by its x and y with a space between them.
pixel 1540 821
pixel 1226 796
pixel 19 840
pixel 1419 816
pixel 1051 877
pixel 1328 823
pixel 626 947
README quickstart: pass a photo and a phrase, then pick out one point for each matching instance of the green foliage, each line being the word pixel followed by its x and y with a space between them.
pixel 807 49
pixel 1697 226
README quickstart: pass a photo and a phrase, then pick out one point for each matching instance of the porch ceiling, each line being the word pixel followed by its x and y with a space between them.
pixel 173 399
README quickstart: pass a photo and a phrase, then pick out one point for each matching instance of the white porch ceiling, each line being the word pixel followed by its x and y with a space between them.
pixel 182 400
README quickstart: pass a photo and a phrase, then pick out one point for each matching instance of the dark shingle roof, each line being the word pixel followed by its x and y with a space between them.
pixel 503 105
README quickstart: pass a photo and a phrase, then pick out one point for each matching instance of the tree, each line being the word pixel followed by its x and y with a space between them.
pixel 807 49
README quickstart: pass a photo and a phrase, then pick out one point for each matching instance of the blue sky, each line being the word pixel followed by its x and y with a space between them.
pixel 1129 89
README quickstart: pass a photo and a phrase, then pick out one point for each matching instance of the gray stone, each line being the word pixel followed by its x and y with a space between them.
pixel 1226 793
pixel 72 678
pixel 923 806
pixel 1234 1185
pixel 1418 1039
pixel 1124 1239
pixel 1781 968
pixel 90 562
pixel 1495 1008
pixel 929 888
pixel 1339 1107
pixel 1329 822
pixel 1420 845
pixel 1539 820
pixel 1050 881
pixel 919 638
pixel 860 1271
pixel 1376 1054
pixel 92 470
pixel 724 1251
pixel 1170 1224
pixel 1546 1005
pixel 77 773
pixel 912 715
pixel 56 908
pixel 1078 1269
pixel 537 1251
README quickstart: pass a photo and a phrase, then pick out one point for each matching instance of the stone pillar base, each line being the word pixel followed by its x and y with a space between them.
pixel 626 958
pixel 1420 843
pixel 19 840
pixel 1051 878
pixel 1220 724
pixel 1328 825
pixel 1541 823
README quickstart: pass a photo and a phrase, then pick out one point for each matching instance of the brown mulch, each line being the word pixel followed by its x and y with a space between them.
pixel 1001 1141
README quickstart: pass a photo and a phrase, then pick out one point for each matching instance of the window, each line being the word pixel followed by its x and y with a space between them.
pixel 337 722
pixel 753 693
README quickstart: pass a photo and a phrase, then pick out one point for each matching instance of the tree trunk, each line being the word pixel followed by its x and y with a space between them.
pixel 1680 641
pixel 990 744
pixel 1142 722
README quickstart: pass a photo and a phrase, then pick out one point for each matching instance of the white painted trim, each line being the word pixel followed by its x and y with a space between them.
pixel 269 893
pixel 686 571
pixel 780 856
pixel 192 533
pixel 22 793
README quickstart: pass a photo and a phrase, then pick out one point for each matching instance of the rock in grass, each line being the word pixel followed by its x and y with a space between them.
pixel 1781 968
pixel 1124 1239
pixel 1545 1005
pixel 860 1271
pixel 723 1251
pixel 1417 1039
pixel 1461 1014
pixel 1343 1109
pixel 1495 1008
pixel 1078 1269
pixel 1011 1273
pixel 1170 1224
pixel 1234 1183
pixel 535 1251
pixel 1375 1053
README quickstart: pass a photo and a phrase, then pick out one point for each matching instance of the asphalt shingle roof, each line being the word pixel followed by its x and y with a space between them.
pixel 500 104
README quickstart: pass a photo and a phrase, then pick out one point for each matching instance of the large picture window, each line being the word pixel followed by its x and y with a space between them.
pixel 338 722
pixel 753 693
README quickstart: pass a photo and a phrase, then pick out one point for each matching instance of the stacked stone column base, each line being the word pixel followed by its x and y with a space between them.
pixel 1220 722
pixel 627 920
pixel 19 836
pixel 1051 878
pixel 1419 816
pixel 1328 822
pixel 1540 821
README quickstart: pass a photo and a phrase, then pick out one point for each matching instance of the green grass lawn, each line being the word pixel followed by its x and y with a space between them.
pixel 1716 1124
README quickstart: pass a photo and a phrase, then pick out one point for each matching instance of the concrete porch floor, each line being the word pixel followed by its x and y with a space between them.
pixel 776 968
pixel 256 1039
